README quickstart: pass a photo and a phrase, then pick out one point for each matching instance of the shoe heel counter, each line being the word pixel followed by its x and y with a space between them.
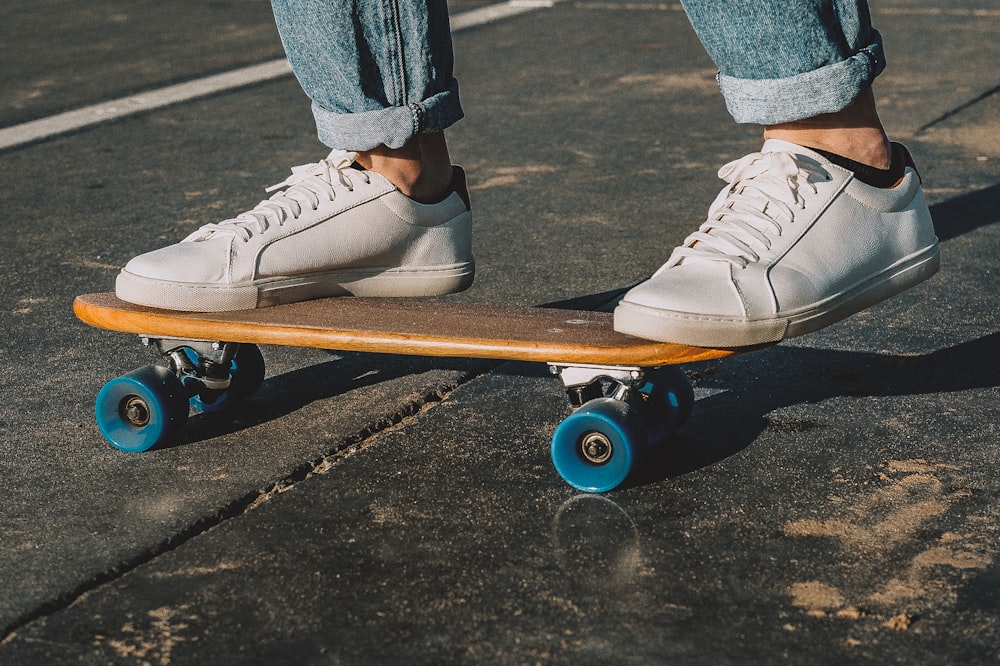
pixel 460 186
pixel 445 244
pixel 923 221
pixel 903 208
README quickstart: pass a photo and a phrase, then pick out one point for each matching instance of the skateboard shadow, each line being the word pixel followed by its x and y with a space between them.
pixel 284 394
pixel 604 301
pixel 761 383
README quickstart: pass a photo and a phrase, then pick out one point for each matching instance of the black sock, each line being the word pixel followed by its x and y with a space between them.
pixel 869 174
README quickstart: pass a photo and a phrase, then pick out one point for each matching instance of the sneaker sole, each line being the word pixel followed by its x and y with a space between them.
pixel 372 283
pixel 707 331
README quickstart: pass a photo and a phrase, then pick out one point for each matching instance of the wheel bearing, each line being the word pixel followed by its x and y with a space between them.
pixel 596 448
pixel 135 411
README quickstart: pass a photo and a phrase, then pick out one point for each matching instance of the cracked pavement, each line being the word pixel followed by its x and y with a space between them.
pixel 833 499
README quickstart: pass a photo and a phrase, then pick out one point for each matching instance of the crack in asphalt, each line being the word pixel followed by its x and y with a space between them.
pixel 345 448
pixel 958 109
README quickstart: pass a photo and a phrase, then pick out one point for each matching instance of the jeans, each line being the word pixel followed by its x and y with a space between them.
pixel 377 71
pixel 381 71
pixel 787 60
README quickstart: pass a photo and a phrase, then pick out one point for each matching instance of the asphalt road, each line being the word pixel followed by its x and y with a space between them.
pixel 833 499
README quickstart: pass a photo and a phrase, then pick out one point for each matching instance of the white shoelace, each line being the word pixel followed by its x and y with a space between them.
pixel 307 187
pixel 763 189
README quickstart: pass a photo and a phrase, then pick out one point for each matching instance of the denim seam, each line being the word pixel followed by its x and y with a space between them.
pixel 396 54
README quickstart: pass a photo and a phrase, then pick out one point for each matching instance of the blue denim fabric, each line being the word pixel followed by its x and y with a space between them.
pixel 380 71
pixel 786 60
pixel 377 71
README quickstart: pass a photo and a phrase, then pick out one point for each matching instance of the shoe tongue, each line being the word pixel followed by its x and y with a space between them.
pixel 341 159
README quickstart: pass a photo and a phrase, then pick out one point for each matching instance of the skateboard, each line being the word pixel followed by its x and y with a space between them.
pixel 627 394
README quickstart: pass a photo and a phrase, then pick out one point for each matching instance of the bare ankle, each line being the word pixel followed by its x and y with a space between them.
pixel 855 132
pixel 421 169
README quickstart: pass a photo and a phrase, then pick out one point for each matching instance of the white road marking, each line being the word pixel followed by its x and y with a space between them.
pixel 63 123
pixel 69 121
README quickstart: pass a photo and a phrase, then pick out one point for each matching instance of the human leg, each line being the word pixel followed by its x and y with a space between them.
pixel 379 75
pixel 420 168
pixel 377 72
pixel 826 220
pixel 802 69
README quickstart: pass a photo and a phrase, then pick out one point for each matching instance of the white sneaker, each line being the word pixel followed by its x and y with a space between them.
pixel 334 230
pixel 793 243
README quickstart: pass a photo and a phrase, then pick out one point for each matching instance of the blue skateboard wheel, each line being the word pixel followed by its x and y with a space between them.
pixel 666 402
pixel 596 447
pixel 142 409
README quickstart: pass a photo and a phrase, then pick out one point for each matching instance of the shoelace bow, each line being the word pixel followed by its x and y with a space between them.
pixel 763 188
pixel 306 188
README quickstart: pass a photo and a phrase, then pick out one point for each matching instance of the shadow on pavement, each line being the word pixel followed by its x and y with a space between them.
pixel 728 422
pixel 966 213
pixel 284 394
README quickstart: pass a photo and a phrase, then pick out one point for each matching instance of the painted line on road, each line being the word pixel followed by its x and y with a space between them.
pixel 493 13
pixel 70 121
pixel 62 123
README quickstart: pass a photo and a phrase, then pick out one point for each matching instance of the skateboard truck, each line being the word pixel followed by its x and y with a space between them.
pixel 586 382
pixel 198 361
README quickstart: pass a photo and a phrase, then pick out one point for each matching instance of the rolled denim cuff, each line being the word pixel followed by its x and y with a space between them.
pixel 825 90
pixel 391 127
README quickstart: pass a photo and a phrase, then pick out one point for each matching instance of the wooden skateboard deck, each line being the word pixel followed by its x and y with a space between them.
pixel 626 397
pixel 396 326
